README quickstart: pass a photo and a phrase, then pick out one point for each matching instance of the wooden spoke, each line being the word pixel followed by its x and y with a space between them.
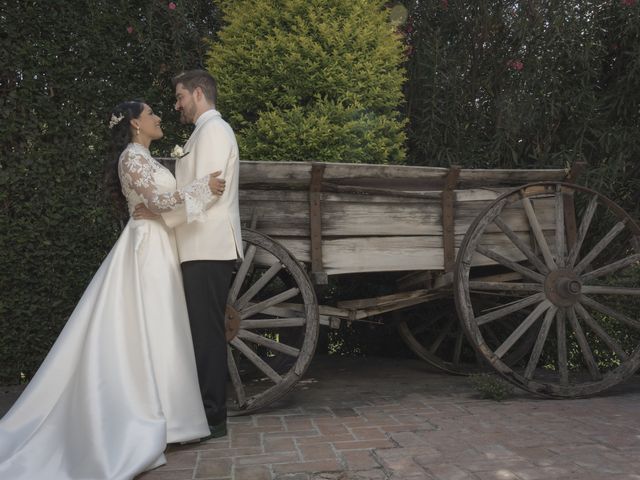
pixel 606 290
pixel 516 267
pixel 561 335
pixel 235 378
pixel 509 309
pixel 582 231
pixel 523 247
pixel 269 302
pixel 599 331
pixel 611 268
pixel 540 341
pixel 259 285
pixel 522 328
pixel 561 250
pixel 242 273
pixel 263 307
pixel 257 323
pixel 457 350
pixel 505 286
pixel 256 360
pixel 600 246
pixel 587 354
pixel 443 334
pixel 269 343
pixel 610 312
pixel 538 234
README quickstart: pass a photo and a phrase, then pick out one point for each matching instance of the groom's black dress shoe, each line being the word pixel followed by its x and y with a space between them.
pixel 216 431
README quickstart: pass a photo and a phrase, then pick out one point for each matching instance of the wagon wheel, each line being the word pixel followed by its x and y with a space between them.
pixel 579 288
pixel 270 295
pixel 435 334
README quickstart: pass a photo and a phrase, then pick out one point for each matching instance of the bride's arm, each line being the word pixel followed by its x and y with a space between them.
pixel 136 173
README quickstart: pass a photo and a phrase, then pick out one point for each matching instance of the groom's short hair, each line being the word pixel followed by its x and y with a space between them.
pixel 192 79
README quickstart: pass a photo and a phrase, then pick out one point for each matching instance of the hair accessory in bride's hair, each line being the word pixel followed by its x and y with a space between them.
pixel 115 120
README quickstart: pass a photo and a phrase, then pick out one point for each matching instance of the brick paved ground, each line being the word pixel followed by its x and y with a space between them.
pixel 395 419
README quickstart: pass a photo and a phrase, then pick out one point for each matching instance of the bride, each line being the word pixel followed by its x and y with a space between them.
pixel 120 381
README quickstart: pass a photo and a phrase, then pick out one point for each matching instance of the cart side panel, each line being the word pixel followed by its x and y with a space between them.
pixel 356 235
pixel 285 214
pixel 382 218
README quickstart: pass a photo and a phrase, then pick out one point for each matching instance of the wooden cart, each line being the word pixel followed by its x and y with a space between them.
pixel 544 273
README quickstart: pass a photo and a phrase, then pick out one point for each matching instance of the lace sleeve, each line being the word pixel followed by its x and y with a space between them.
pixel 136 173
pixel 197 199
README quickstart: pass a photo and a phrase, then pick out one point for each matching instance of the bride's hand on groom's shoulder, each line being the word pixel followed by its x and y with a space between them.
pixel 142 212
pixel 216 184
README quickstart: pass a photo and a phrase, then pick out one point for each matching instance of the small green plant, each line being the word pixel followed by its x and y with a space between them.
pixel 490 386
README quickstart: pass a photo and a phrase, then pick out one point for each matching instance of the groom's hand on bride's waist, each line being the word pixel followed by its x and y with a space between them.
pixel 141 212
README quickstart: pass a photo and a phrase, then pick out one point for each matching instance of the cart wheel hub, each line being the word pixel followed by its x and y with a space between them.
pixel 563 288
pixel 232 323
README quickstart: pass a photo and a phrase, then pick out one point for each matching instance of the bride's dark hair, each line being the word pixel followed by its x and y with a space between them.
pixel 119 123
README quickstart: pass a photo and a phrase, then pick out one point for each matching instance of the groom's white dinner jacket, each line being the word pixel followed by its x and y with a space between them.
pixel 211 147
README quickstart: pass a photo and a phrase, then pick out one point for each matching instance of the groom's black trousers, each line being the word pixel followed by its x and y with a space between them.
pixel 206 286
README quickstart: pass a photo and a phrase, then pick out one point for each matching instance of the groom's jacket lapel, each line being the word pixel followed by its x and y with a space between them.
pixel 185 171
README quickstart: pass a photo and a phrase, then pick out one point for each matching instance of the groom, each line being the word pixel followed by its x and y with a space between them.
pixel 208 250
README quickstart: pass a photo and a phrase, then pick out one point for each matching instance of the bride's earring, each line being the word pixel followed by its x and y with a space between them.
pixel 137 130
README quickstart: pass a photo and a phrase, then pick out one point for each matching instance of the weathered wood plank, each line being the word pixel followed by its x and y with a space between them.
pixel 448 218
pixel 290 218
pixel 509 176
pixel 262 195
pixel 383 300
pixel 379 254
pixel 297 174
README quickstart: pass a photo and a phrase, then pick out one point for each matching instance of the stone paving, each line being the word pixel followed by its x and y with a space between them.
pixel 380 419
pixel 375 419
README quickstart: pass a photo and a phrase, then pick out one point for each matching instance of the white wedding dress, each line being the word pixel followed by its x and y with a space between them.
pixel 120 381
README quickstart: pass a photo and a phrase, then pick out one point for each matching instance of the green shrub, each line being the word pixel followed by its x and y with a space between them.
pixel 311 80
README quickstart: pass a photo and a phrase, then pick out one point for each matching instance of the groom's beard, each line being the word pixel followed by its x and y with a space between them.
pixel 188 115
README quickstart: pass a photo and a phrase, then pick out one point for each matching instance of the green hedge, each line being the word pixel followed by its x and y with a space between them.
pixel 496 83
pixel 61 71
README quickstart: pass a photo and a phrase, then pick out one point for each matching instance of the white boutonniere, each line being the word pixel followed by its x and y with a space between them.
pixel 178 152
